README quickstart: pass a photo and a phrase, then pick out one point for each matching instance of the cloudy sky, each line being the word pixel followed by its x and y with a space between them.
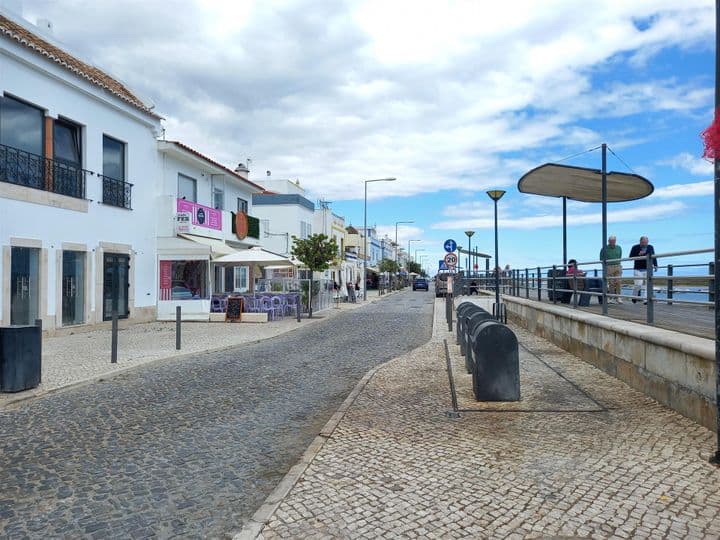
pixel 450 97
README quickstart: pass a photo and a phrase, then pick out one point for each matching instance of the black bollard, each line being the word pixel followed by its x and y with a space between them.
pixel 114 337
pixel 178 327
pixel 297 307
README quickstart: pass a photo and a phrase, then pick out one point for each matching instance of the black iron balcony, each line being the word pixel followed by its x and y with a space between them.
pixel 116 192
pixel 38 172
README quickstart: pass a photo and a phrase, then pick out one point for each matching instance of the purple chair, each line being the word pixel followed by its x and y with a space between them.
pixel 277 304
pixel 290 305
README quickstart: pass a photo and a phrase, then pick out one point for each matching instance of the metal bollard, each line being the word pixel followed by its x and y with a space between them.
pixel 178 318
pixel 496 366
pixel 114 337
pixel 297 307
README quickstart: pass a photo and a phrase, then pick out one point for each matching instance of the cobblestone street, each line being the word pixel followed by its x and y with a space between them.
pixel 582 456
pixel 189 447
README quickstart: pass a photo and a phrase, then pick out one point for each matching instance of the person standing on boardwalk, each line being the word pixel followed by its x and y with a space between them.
pixel 643 249
pixel 611 252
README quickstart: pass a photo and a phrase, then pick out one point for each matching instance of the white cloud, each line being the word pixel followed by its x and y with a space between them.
pixel 434 93
pixel 687 162
pixel 542 221
pixel 677 191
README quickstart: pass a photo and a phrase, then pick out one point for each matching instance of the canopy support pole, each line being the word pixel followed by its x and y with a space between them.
pixel 564 230
pixel 604 229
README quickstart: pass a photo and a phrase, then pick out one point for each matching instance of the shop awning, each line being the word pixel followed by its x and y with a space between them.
pixel 172 246
pixel 218 247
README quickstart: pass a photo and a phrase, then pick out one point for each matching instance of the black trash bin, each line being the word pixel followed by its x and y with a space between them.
pixel 20 357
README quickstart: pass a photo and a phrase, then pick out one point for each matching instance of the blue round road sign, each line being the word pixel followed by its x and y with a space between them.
pixel 450 245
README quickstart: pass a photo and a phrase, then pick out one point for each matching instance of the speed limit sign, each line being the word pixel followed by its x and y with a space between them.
pixel 451 260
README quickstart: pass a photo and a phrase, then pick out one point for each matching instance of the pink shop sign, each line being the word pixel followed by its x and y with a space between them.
pixel 202 216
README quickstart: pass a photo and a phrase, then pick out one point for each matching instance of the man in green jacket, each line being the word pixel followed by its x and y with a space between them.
pixel 614 269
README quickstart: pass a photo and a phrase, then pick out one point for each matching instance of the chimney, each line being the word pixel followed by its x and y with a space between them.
pixel 242 170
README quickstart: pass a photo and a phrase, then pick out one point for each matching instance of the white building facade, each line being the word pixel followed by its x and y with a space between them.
pixel 78 164
pixel 204 211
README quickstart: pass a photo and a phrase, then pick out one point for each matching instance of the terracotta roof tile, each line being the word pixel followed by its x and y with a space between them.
pixel 212 161
pixel 26 38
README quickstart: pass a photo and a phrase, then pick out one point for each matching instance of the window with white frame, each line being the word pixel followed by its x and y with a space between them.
pixel 242 205
pixel 187 188
pixel 305 230
pixel 241 279
pixel 218 198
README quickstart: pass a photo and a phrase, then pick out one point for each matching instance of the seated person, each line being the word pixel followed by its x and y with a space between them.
pixel 473 287
pixel 573 270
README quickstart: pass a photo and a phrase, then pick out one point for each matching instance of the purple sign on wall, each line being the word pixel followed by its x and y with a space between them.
pixel 202 216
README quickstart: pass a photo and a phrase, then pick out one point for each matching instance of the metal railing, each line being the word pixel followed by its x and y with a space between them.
pixel 694 286
pixel 116 192
pixel 31 170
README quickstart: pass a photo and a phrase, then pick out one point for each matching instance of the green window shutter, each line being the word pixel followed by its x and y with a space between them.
pixel 253 227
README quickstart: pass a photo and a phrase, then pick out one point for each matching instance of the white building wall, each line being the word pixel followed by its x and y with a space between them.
pixel 282 219
pixel 96 226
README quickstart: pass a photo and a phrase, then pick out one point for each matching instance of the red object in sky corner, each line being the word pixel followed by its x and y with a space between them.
pixel 711 138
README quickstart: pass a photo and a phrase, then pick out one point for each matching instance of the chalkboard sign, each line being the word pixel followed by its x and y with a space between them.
pixel 234 308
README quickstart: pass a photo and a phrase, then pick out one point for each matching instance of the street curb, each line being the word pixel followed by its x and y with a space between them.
pixel 34 394
pixel 262 515
pixel 254 526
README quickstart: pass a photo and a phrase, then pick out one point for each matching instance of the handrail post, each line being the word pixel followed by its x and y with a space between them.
pixel 669 284
pixel 539 284
pixel 575 293
pixel 711 283
pixel 649 296
pixel 554 295
pixel 527 283
pixel 604 287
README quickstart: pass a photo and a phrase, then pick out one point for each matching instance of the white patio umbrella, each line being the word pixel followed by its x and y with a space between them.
pixel 254 256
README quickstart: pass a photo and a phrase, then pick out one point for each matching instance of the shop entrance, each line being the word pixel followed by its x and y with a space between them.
pixel 115 285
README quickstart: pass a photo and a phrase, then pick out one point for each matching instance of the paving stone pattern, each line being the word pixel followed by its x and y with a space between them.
pixel 398 467
pixel 189 447
pixel 81 354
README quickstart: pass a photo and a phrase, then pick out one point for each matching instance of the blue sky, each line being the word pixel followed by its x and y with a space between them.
pixel 452 98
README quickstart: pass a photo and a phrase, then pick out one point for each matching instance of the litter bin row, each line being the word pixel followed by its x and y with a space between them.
pixel 491 354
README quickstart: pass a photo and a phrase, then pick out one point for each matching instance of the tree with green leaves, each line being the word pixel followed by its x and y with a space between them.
pixel 316 252
pixel 388 265
pixel 414 267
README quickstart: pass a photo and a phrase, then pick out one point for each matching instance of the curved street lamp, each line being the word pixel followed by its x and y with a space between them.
pixel 469 235
pixel 364 281
pixel 496 195
pixel 397 247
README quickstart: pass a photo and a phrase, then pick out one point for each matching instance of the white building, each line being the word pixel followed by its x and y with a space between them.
pixel 78 164
pixel 215 205
pixel 284 212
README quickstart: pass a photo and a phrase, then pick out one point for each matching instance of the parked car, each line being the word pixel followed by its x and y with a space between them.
pixel 420 283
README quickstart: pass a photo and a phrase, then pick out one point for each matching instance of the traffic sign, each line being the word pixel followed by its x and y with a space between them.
pixel 442 265
pixel 450 245
pixel 450 260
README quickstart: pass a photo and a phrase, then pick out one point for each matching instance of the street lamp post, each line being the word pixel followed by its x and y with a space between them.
pixel 397 246
pixel 496 195
pixel 418 249
pixel 364 281
pixel 469 235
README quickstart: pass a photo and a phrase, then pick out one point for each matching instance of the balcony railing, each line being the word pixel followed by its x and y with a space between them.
pixel 30 170
pixel 116 192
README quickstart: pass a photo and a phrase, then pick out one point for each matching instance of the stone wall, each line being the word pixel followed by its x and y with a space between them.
pixel 676 369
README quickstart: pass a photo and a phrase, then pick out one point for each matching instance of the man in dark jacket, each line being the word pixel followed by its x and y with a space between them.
pixel 643 249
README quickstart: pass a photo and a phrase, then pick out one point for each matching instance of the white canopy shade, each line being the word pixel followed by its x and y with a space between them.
pixel 254 256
